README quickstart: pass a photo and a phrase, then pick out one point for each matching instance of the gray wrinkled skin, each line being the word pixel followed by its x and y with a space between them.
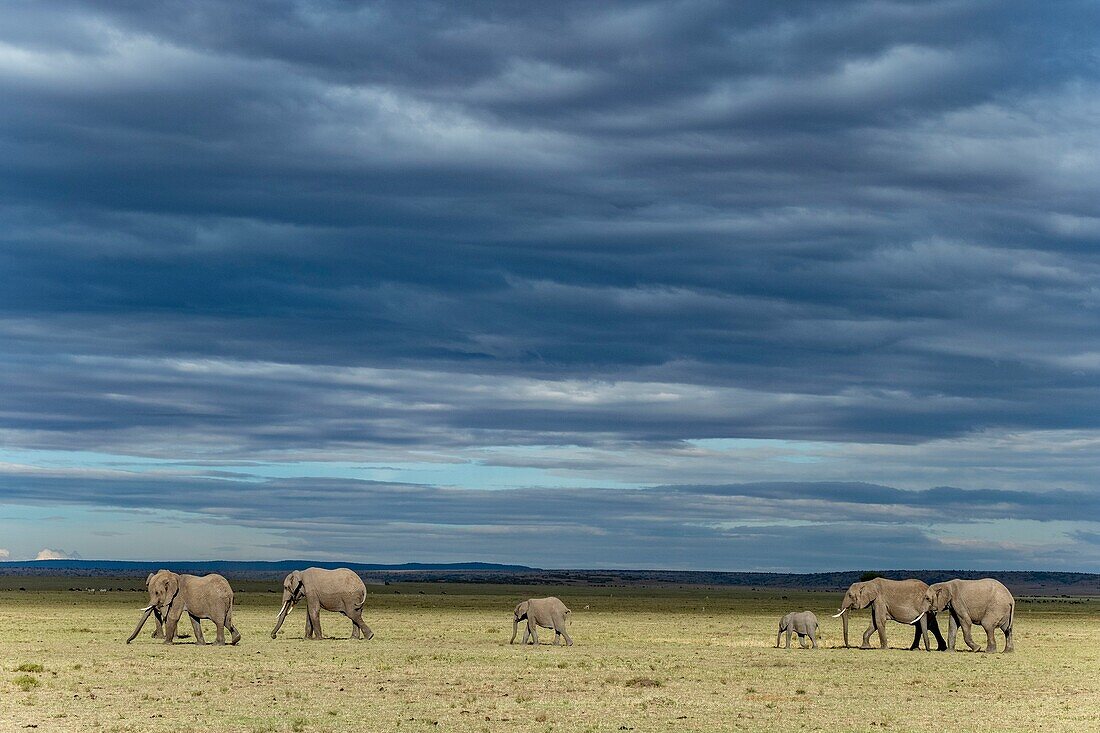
pixel 986 602
pixel 206 597
pixel 803 623
pixel 891 600
pixel 549 613
pixel 339 590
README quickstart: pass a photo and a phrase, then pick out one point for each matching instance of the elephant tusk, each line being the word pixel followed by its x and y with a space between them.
pixel 918 617
pixel 839 614
pixel 148 607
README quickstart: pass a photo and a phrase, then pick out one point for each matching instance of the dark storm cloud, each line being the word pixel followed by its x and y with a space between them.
pixel 848 525
pixel 229 229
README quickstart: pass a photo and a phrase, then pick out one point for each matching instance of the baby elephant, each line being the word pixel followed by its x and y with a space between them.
pixel 549 613
pixel 802 623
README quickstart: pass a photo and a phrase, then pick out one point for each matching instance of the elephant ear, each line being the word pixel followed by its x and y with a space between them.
pixel 171 587
pixel 521 609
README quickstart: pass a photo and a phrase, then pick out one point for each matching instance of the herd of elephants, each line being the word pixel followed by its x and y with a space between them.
pixel 986 602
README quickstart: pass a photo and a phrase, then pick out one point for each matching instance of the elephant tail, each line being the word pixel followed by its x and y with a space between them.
pixel 1011 615
pixel 362 601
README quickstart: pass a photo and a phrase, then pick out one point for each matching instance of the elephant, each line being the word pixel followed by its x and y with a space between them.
pixel 549 613
pixel 803 623
pixel 338 590
pixel 207 596
pixel 158 633
pixel 891 600
pixel 986 602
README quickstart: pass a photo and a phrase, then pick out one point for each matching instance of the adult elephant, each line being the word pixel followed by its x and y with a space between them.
pixel 986 602
pixel 549 613
pixel 339 590
pixel 158 633
pixel 201 597
pixel 891 600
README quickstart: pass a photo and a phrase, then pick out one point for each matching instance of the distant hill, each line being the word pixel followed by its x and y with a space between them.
pixel 1020 582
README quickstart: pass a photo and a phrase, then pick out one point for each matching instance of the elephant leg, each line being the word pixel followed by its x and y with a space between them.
pixel 787 641
pixel 813 640
pixel 867 634
pixel 158 633
pixel 801 641
pixel 934 627
pixel 363 628
pixel 1009 647
pixel 778 636
pixel 196 626
pixel 964 624
pixel 358 628
pixel 920 633
pixel 171 622
pixel 557 638
pixel 952 632
pixel 568 638
pixel 880 619
pixel 990 638
pixel 534 629
pixel 916 637
pixel 235 636
pixel 313 610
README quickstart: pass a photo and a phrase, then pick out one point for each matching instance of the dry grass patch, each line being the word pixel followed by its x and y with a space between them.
pixel 646 659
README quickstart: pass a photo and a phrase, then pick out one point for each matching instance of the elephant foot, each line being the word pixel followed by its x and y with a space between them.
pixel 864 646
pixel 369 636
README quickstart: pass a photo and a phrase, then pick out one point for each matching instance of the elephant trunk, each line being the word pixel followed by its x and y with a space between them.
pixel 287 607
pixel 515 630
pixel 844 620
pixel 144 618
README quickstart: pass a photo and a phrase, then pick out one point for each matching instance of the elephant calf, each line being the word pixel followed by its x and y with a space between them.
pixel 549 613
pixel 803 623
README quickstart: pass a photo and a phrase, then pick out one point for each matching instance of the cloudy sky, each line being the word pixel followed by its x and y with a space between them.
pixel 692 284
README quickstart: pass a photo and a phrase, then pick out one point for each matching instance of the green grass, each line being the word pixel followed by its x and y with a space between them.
pixel 644 660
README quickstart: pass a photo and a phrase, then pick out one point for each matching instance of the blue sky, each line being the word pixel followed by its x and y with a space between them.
pixel 752 286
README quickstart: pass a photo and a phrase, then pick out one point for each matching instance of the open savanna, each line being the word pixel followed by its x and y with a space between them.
pixel 646 659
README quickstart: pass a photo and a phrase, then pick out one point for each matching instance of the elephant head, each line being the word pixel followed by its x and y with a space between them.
pixel 292 593
pixel 859 595
pixel 519 614
pixel 163 587
pixel 936 599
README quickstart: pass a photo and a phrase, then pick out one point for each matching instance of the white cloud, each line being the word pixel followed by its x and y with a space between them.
pixel 48 554
pixel 4 554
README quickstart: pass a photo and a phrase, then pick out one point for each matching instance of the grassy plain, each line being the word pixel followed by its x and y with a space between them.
pixel 690 659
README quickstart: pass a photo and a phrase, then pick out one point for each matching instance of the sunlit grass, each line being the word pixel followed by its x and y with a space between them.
pixel 643 660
